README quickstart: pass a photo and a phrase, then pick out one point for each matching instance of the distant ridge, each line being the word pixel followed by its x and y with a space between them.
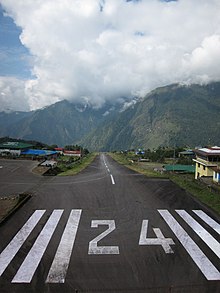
pixel 171 115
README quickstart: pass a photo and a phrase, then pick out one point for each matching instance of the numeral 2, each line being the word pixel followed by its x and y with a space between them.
pixel 93 244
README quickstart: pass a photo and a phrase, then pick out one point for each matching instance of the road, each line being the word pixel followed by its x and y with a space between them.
pixel 108 229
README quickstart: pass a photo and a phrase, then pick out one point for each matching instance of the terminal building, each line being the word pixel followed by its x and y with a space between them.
pixel 208 163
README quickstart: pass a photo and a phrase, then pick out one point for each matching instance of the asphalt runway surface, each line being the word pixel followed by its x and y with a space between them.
pixel 107 229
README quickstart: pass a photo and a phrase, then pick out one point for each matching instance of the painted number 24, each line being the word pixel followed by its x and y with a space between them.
pixel 144 240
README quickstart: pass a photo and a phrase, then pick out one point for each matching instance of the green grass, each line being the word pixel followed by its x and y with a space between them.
pixel 78 166
pixel 198 190
pixel 185 181
pixel 128 162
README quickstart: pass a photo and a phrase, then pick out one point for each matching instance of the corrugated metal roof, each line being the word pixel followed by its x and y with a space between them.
pixel 15 145
pixel 214 151
pixel 38 152
pixel 180 168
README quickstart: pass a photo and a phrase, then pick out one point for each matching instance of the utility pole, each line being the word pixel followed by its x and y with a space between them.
pixel 174 155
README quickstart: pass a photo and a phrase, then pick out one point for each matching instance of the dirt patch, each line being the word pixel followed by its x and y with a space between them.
pixel 8 205
pixel 40 170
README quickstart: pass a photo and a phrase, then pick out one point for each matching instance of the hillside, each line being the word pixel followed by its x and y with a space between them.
pixel 168 116
pixel 171 115
pixel 62 123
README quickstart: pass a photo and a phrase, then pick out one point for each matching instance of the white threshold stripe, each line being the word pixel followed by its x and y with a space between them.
pixel 212 223
pixel 200 259
pixel 32 260
pixel 10 251
pixel 213 244
pixel 113 181
pixel 61 261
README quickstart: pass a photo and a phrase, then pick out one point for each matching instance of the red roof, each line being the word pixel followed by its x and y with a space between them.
pixel 214 151
pixel 72 152
pixel 58 149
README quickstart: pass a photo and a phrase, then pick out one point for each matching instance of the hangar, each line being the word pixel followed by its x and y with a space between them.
pixel 13 148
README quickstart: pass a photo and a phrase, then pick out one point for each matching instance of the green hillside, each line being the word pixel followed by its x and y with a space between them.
pixel 168 116
pixel 61 123
pixel 172 115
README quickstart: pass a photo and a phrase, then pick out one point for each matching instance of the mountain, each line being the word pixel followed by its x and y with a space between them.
pixel 167 116
pixel 171 115
pixel 61 123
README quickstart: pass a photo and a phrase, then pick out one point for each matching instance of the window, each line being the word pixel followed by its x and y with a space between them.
pixel 198 165
pixel 204 168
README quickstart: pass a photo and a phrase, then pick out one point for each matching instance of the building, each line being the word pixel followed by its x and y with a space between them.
pixel 216 174
pixel 64 152
pixel 207 162
pixel 72 153
pixel 39 153
pixel 186 154
pixel 59 150
pixel 49 163
pixel 180 168
pixel 13 148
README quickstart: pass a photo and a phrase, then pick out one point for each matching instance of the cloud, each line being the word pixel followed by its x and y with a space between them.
pixel 104 50
pixel 12 93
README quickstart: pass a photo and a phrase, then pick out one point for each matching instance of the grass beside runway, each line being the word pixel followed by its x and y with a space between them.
pixel 148 170
pixel 199 190
pixel 79 165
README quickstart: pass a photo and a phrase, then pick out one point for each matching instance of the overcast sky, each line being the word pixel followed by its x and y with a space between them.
pixel 103 50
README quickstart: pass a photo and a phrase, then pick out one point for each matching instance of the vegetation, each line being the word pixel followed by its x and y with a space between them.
pixel 172 115
pixel 36 144
pixel 131 161
pixel 71 166
pixel 206 194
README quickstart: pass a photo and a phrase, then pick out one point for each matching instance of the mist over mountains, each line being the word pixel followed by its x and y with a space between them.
pixel 171 115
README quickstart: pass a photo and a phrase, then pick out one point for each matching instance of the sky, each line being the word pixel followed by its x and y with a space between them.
pixel 97 51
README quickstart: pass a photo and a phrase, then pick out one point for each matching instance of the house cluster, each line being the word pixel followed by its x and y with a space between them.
pixel 20 149
pixel 208 163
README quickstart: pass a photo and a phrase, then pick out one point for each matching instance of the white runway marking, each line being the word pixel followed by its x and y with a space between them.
pixel 93 244
pixel 60 263
pixel 13 247
pixel 32 260
pixel 200 259
pixel 112 178
pixel 113 181
pixel 160 240
pixel 201 232
pixel 213 224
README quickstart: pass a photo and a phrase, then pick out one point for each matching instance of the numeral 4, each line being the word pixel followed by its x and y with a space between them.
pixel 160 240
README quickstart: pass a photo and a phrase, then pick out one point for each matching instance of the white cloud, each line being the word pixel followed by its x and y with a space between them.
pixel 84 52
pixel 12 94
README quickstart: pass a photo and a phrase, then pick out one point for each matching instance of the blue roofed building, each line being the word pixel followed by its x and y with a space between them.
pixel 39 153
